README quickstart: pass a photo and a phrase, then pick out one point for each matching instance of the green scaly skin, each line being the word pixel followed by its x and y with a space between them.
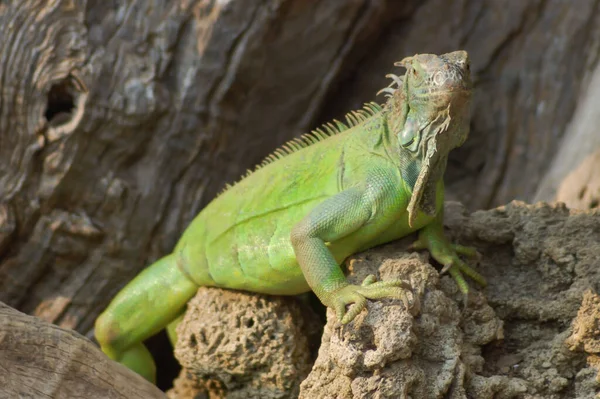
pixel 286 228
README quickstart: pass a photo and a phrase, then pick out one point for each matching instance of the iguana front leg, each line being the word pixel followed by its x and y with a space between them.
pixel 432 237
pixel 334 219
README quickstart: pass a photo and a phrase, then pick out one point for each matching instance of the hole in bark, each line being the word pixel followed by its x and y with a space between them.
pixel 64 107
pixel 595 202
pixel 60 101
pixel 582 192
pixel 193 342
pixel 250 323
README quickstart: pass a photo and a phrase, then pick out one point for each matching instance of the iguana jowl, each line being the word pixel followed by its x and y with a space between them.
pixel 286 227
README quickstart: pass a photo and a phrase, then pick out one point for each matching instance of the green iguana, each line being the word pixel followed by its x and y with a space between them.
pixel 285 228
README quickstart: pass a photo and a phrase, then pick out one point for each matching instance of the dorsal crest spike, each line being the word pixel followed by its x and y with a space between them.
pixel 330 128
pixel 322 133
pixel 372 108
pixel 303 140
pixel 340 126
pixel 396 79
pixel 312 138
pixel 351 119
pixel 387 90
pixel 279 152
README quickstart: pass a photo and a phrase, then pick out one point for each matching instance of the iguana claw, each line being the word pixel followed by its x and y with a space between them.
pixel 370 288
pixel 447 254
pixel 470 252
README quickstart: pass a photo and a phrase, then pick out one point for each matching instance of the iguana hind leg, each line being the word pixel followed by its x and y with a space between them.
pixel 145 306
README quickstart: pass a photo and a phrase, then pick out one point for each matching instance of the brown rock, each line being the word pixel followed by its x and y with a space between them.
pixel 586 326
pixel 509 342
pixel 249 346
pixel 388 352
pixel 539 261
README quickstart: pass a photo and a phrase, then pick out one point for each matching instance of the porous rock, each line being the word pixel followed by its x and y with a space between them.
pixel 511 341
pixel 391 351
pixel 240 345
pixel 531 333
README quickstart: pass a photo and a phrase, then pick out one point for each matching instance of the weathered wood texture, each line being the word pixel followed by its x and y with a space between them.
pixel 184 95
pixel 40 360
pixel 574 174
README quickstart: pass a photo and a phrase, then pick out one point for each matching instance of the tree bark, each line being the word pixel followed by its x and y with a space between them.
pixel 41 360
pixel 573 174
pixel 181 98
pixel 120 121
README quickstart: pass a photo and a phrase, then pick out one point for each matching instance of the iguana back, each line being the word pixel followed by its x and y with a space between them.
pixel 242 238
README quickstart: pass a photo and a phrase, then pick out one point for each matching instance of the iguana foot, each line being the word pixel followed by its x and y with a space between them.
pixel 447 254
pixel 357 296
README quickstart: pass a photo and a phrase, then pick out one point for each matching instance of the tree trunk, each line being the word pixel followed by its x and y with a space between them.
pixel 181 98
pixel 119 121
pixel 40 360
pixel 573 175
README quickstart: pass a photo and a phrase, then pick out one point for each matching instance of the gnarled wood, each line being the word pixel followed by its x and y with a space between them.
pixel 41 360
pixel 182 97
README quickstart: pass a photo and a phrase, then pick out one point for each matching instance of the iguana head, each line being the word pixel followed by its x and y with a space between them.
pixel 429 114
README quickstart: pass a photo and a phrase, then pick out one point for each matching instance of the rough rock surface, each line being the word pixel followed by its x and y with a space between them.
pixel 389 353
pixel 532 333
pixel 539 260
pixel 251 346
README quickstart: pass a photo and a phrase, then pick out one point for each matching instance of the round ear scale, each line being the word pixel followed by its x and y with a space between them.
pixel 409 132
pixel 407 141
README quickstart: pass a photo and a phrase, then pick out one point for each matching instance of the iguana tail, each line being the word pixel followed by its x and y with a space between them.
pixel 150 302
